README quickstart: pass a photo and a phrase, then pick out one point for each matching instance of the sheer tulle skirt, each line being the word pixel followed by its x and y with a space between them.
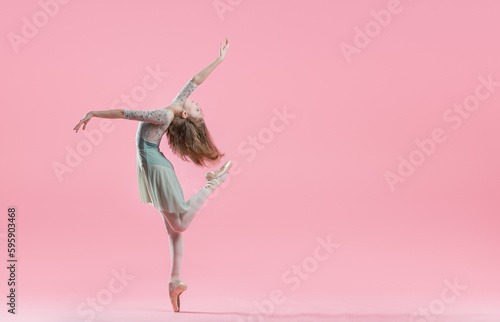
pixel 158 183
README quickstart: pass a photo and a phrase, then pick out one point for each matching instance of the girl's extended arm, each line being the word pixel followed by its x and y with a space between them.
pixel 201 76
pixel 108 114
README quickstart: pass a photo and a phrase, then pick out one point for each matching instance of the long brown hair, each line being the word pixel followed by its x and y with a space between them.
pixel 189 138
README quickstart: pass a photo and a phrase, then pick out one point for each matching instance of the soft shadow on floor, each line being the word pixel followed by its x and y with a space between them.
pixel 315 316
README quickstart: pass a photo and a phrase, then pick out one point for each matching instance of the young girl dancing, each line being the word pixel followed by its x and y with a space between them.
pixel 188 137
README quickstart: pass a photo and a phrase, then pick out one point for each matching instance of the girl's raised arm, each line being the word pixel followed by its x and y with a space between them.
pixel 203 74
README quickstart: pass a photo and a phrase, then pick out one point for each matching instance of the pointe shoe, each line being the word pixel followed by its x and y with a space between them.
pixel 213 184
pixel 215 174
pixel 175 289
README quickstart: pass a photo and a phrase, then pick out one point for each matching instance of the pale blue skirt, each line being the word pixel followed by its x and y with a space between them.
pixel 158 183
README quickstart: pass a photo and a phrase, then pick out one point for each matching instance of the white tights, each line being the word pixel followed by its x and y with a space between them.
pixel 176 223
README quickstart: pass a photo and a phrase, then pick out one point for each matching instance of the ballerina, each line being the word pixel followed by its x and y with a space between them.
pixel 188 137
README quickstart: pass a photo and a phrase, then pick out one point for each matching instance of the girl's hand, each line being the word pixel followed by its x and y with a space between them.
pixel 83 121
pixel 223 49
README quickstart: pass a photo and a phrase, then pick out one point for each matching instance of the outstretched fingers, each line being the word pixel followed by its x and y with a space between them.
pixel 83 121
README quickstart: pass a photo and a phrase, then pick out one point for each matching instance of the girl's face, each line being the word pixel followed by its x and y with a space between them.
pixel 193 109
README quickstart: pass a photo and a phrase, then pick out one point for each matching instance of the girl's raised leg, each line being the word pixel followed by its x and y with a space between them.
pixel 179 222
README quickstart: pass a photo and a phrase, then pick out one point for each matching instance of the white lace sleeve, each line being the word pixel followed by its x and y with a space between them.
pixel 185 92
pixel 160 116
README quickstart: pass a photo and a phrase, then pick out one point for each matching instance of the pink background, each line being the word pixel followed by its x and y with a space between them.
pixel 321 174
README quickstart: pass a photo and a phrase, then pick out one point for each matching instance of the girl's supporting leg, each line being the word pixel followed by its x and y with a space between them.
pixel 176 251
pixel 176 223
pixel 175 285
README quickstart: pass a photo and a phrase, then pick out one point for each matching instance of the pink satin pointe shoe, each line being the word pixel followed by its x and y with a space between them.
pixel 213 184
pixel 175 288
pixel 218 173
